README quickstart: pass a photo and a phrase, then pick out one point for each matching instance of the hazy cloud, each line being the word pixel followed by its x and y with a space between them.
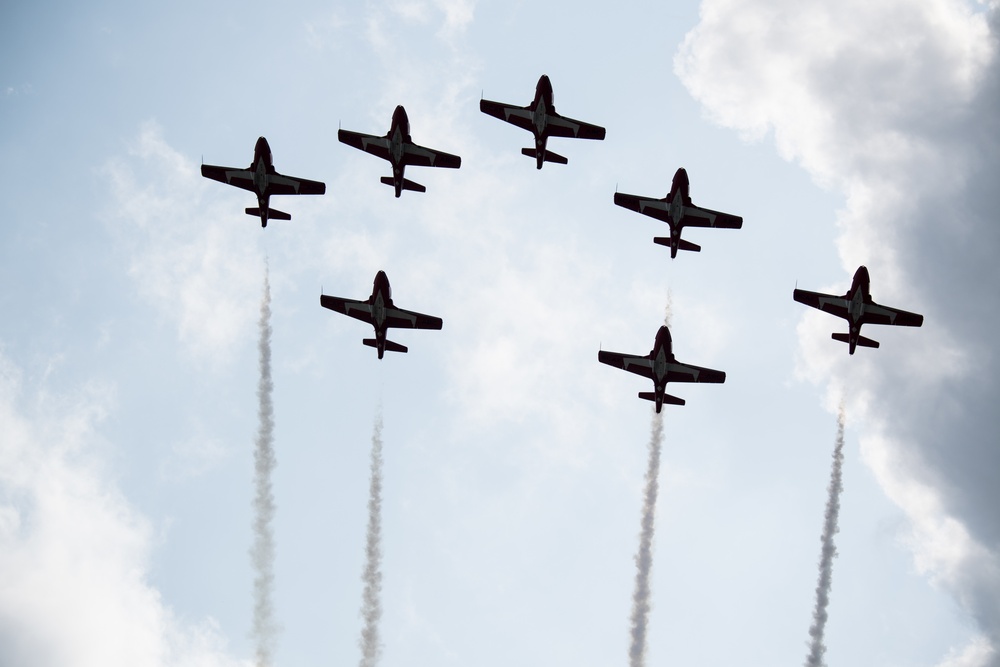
pixel 193 457
pixel 74 554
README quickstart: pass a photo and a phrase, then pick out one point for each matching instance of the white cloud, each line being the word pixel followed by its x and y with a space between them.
pixel 894 105
pixel 190 255
pixel 73 554
pixel 194 457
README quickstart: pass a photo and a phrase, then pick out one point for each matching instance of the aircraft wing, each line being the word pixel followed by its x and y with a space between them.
pixel 695 216
pixel 367 142
pixel 654 208
pixel 876 314
pixel 279 184
pixel 359 310
pixel 677 372
pixel 418 156
pixel 561 126
pixel 407 319
pixel 241 178
pixel 511 113
pixel 629 362
pixel 835 305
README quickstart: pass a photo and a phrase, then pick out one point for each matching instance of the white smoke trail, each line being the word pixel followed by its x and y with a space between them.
pixel 644 557
pixel 828 551
pixel 371 604
pixel 262 551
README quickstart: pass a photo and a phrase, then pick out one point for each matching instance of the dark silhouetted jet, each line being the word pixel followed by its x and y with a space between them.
pixel 400 151
pixel 261 179
pixel 661 367
pixel 857 308
pixel 677 211
pixel 540 118
pixel 379 312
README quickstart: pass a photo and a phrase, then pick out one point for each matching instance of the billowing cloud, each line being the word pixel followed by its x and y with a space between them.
pixel 894 105
pixel 74 555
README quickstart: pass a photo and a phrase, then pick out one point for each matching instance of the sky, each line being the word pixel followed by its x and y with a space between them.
pixel 512 462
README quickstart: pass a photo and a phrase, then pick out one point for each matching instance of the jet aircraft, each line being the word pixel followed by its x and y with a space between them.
pixel 661 367
pixel 261 179
pixel 398 148
pixel 379 311
pixel 857 308
pixel 540 118
pixel 677 211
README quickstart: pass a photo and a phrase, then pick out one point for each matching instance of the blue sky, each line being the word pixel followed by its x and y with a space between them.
pixel 842 133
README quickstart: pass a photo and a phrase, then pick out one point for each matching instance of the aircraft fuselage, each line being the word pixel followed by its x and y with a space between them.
pixel 380 299
pixel 541 106
pixel 399 135
pixel 262 166
pixel 662 354
pixel 679 198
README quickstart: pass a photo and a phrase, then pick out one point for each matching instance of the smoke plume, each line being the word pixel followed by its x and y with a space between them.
pixel 644 557
pixel 371 604
pixel 828 551
pixel 262 551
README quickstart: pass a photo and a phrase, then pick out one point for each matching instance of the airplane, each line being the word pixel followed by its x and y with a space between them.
pixel 677 211
pixel 379 311
pixel 540 118
pixel 661 367
pixel 857 308
pixel 397 147
pixel 261 179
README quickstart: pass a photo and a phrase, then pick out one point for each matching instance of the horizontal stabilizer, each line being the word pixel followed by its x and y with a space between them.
pixel 862 341
pixel 548 156
pixel 681 243
pixel 667 398
pixel 407 184
pixel 389 345
pixel 272 214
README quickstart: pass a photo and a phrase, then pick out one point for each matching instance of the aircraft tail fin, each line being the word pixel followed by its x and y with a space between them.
pixel 389 345
pixel 667 398
pixel 272 214
pixel 547 156
pixel 407 184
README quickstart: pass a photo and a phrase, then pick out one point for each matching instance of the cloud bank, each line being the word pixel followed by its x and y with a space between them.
pixel 894 105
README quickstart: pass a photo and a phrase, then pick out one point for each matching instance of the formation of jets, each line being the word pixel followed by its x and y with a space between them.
pixel 540 118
